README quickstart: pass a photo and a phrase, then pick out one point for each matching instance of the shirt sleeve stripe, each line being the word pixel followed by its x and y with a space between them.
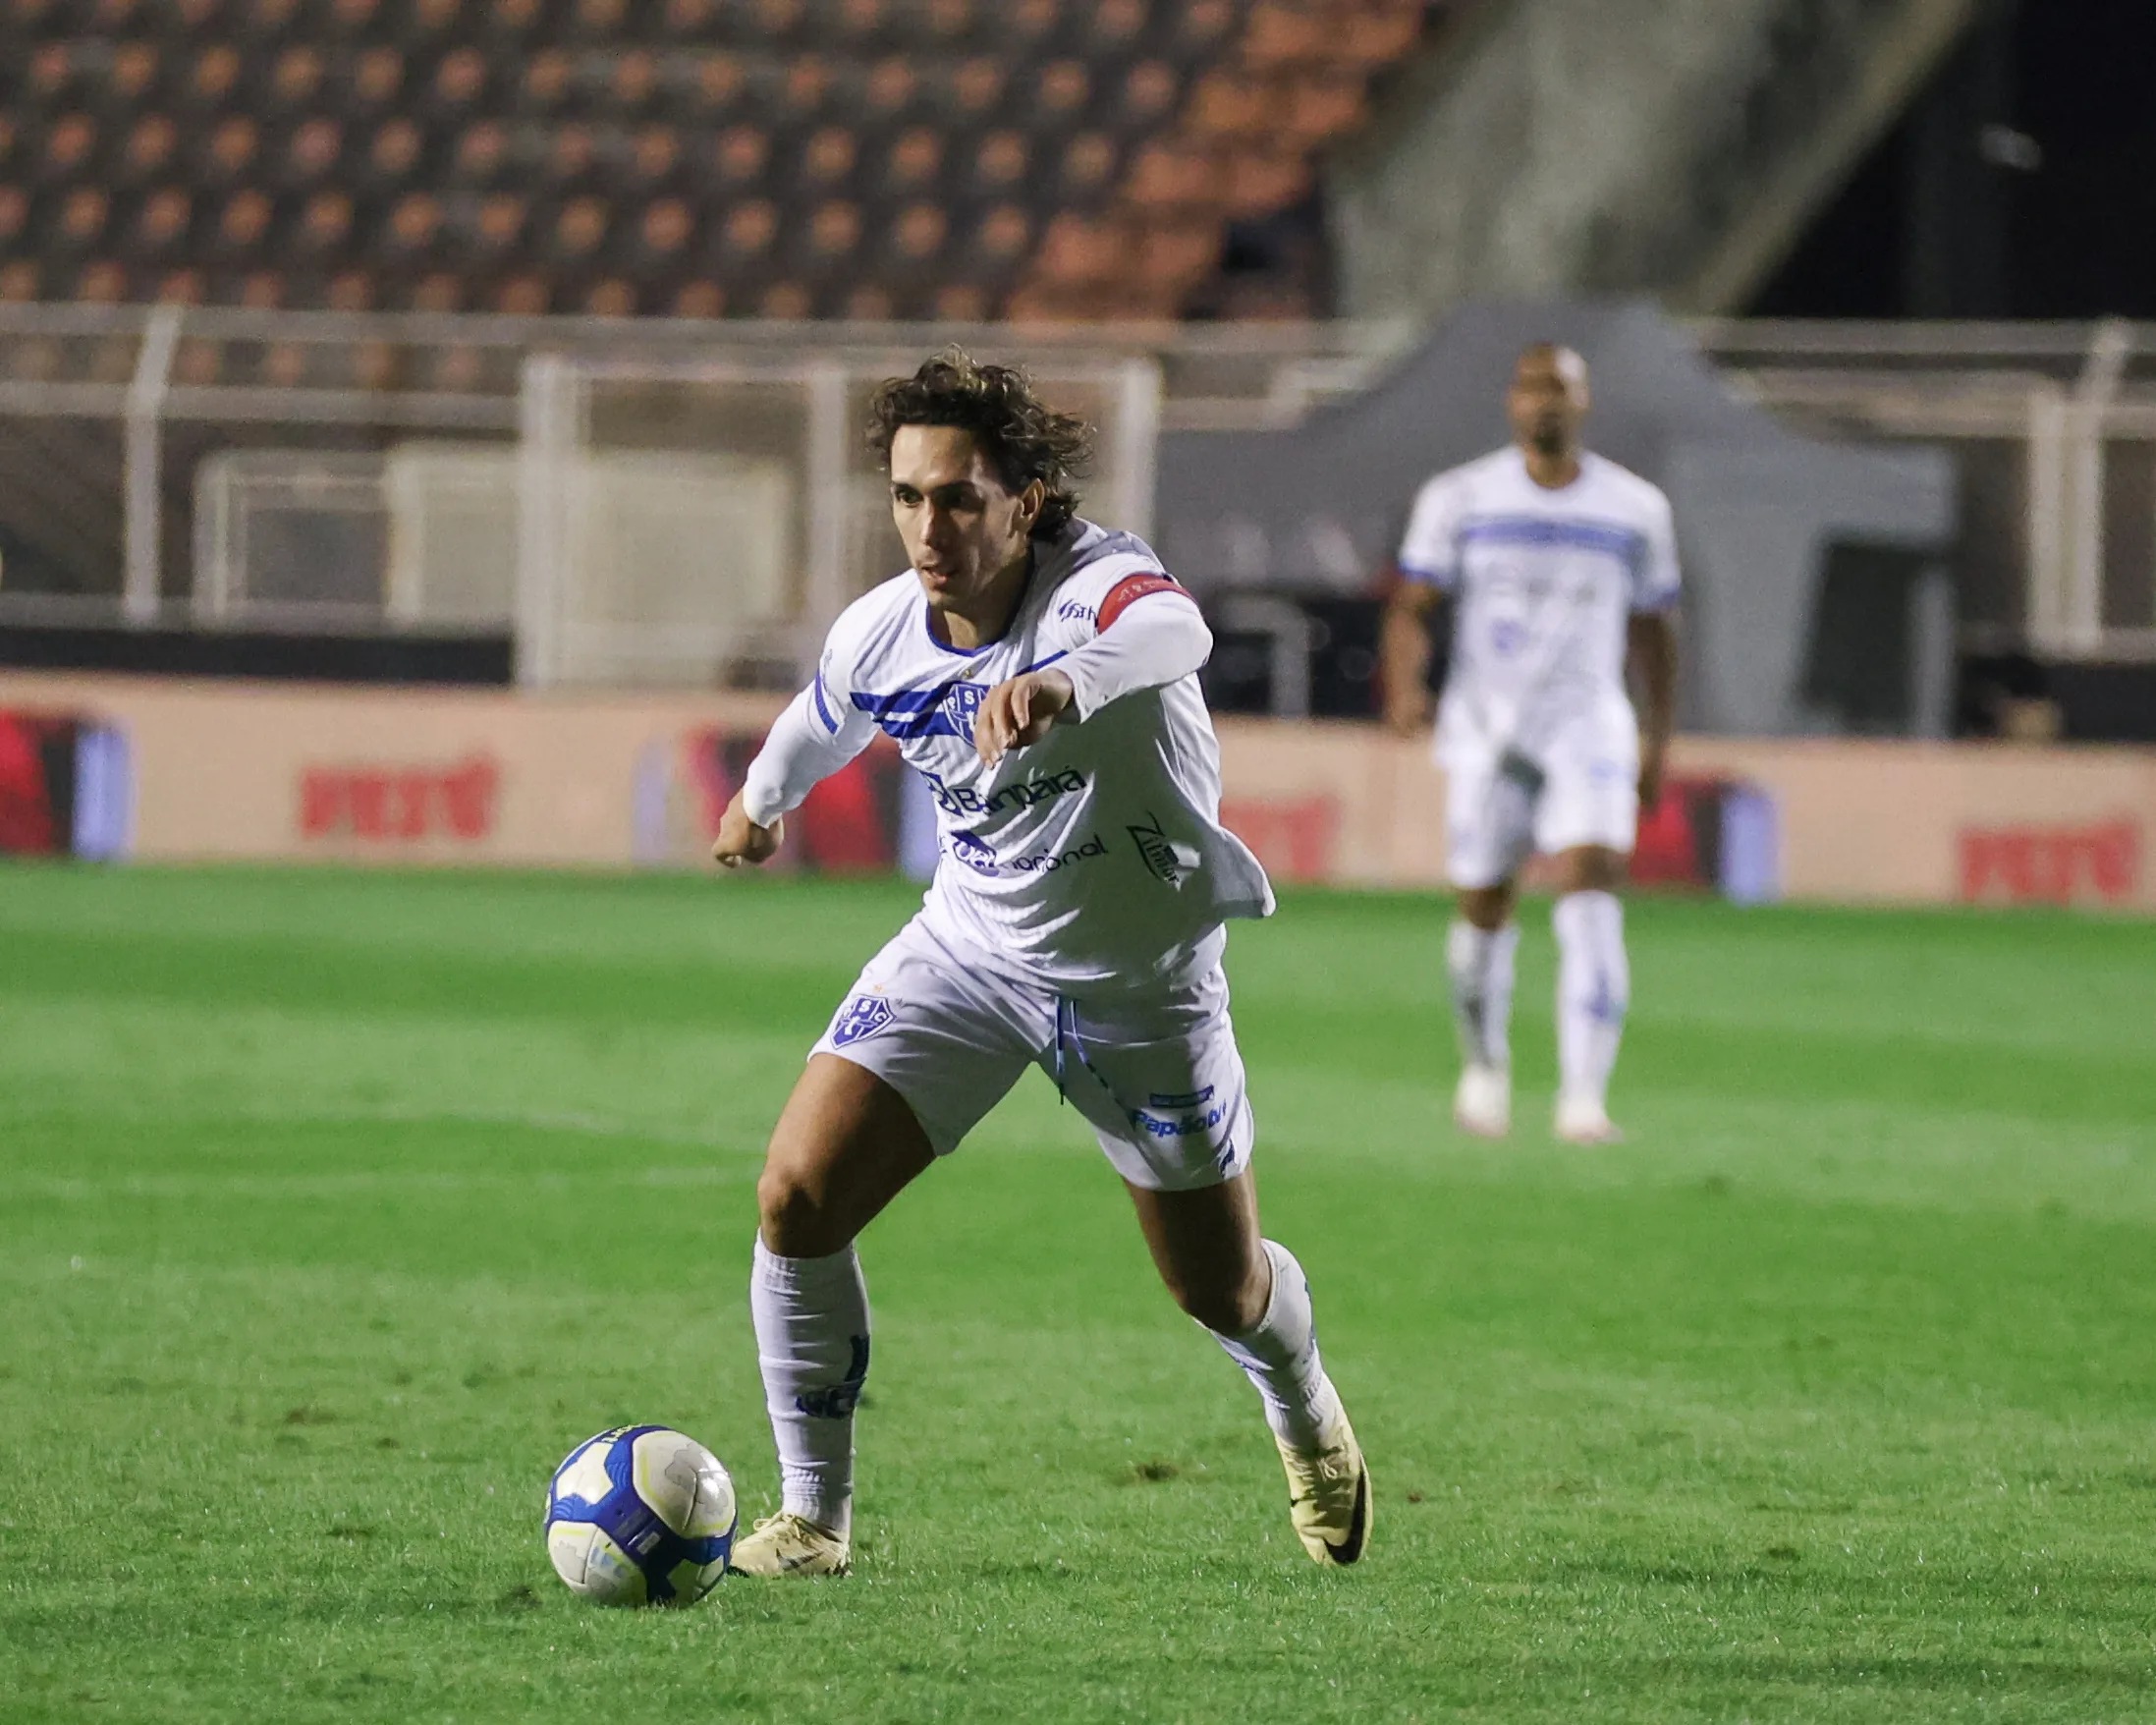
pixel 823 706
pixel 1129 590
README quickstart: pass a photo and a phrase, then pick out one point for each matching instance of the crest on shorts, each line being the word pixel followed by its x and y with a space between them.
pixel 863 1016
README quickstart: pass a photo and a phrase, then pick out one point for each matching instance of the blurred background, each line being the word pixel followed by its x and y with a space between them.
pixel 431 429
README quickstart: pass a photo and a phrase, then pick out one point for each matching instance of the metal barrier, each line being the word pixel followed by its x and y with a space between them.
pixel 2054 425
pixel 125 429
pixel 156 462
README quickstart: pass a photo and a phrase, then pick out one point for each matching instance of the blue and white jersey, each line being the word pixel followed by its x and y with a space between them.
pixel 1545 582
pixel 1095 854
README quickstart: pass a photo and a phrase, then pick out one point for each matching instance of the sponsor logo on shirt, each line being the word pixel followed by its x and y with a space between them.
pixel 860 1017
pixel 1073 611
pixel 1164 858
pixel 1047 863
pixel 974 852
pixel 1042 788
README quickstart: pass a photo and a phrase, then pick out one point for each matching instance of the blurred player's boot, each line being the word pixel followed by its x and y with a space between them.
pixel 1582 1120
pixel 1329 1493
pixel 1482 1104
pixel 788 1544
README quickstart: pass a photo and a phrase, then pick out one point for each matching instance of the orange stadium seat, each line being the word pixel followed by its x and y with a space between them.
pixel 702 298
pixel 103 283
pixel 740 155
pixel 912 161
pixel 80 220
pixel 181 287
pixel 161 223
pixel 524 294
pixel 69 142
pixel 700 158
pixel 437 291
pixel 349 289
pixel 489 229
pixel 481 155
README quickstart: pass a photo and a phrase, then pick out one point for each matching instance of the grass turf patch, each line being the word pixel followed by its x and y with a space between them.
pixel 338 1206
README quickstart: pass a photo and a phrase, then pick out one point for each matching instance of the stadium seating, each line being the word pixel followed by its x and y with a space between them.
pixel 952 158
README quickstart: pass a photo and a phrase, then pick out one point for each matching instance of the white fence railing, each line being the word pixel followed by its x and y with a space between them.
pixel 125 432
pixel 158 464
pixel 2055 425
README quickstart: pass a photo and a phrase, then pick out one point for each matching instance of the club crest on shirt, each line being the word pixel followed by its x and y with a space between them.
pixel 962 703
pixel 860 1017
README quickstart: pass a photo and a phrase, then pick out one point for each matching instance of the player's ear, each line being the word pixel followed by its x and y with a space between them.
pixel 1029 502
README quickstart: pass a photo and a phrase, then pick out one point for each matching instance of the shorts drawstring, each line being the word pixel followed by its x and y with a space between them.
pixel 1067 1041
pixel 1062 1006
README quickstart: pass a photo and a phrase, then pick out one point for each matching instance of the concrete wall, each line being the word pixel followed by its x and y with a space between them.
pixel 1671 147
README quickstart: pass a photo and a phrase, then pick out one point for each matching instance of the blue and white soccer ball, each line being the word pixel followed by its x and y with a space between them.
pixel 640 1515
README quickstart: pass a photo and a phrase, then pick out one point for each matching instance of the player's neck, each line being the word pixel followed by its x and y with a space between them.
pixel 983 619
pixel 1553 472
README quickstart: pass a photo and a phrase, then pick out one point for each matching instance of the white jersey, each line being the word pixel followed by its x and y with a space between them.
pixel 1097 853
pixel 1545 583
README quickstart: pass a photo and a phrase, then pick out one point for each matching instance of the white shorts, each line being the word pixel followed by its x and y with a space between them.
pixel 1152 1066
pixel 1500 807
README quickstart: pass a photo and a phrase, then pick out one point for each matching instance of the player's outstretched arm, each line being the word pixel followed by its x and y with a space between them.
pixel 1651 646
pixel 1018 712
pixel 1403 652
pixel 1149 634
pixel 740 840
pixel 812 740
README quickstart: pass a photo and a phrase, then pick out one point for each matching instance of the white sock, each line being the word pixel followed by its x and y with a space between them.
pixel 1593 986
pixel 1481 963
pixel 811 1317
pixel 1280 1355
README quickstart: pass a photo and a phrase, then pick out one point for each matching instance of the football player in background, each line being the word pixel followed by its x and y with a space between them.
pixel 1561 568
pixel 1040 673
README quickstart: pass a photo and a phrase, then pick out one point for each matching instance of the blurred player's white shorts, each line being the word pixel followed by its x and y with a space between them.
pixel 1582 789
pixel 1150 1063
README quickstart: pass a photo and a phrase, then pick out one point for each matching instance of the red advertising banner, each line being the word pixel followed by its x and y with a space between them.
pixel 205 770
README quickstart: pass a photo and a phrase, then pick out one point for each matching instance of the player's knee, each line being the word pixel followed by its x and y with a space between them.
pixel 1486 908
pixel 1228 1307
pixel 794 1213
pixel 1591 868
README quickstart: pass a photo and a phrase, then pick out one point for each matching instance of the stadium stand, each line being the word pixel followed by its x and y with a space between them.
pixel 783 158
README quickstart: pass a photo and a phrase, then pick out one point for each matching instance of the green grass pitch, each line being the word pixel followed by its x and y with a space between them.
pixel 335 1207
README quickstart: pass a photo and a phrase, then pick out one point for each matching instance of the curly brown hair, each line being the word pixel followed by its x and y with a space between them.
pixel 1023 438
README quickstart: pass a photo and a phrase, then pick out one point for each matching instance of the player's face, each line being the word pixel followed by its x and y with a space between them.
pixel 963 527
pixel 1548 400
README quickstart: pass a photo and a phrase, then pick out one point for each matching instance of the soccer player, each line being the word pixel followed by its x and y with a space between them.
pixel 1563 567
pixel 1040 673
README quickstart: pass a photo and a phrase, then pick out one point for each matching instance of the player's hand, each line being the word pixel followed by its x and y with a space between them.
pixel 740 840
pixel 1020 711
pixel 1650 780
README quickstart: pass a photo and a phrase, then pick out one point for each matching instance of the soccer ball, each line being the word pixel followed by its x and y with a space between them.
pixel 640 1515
